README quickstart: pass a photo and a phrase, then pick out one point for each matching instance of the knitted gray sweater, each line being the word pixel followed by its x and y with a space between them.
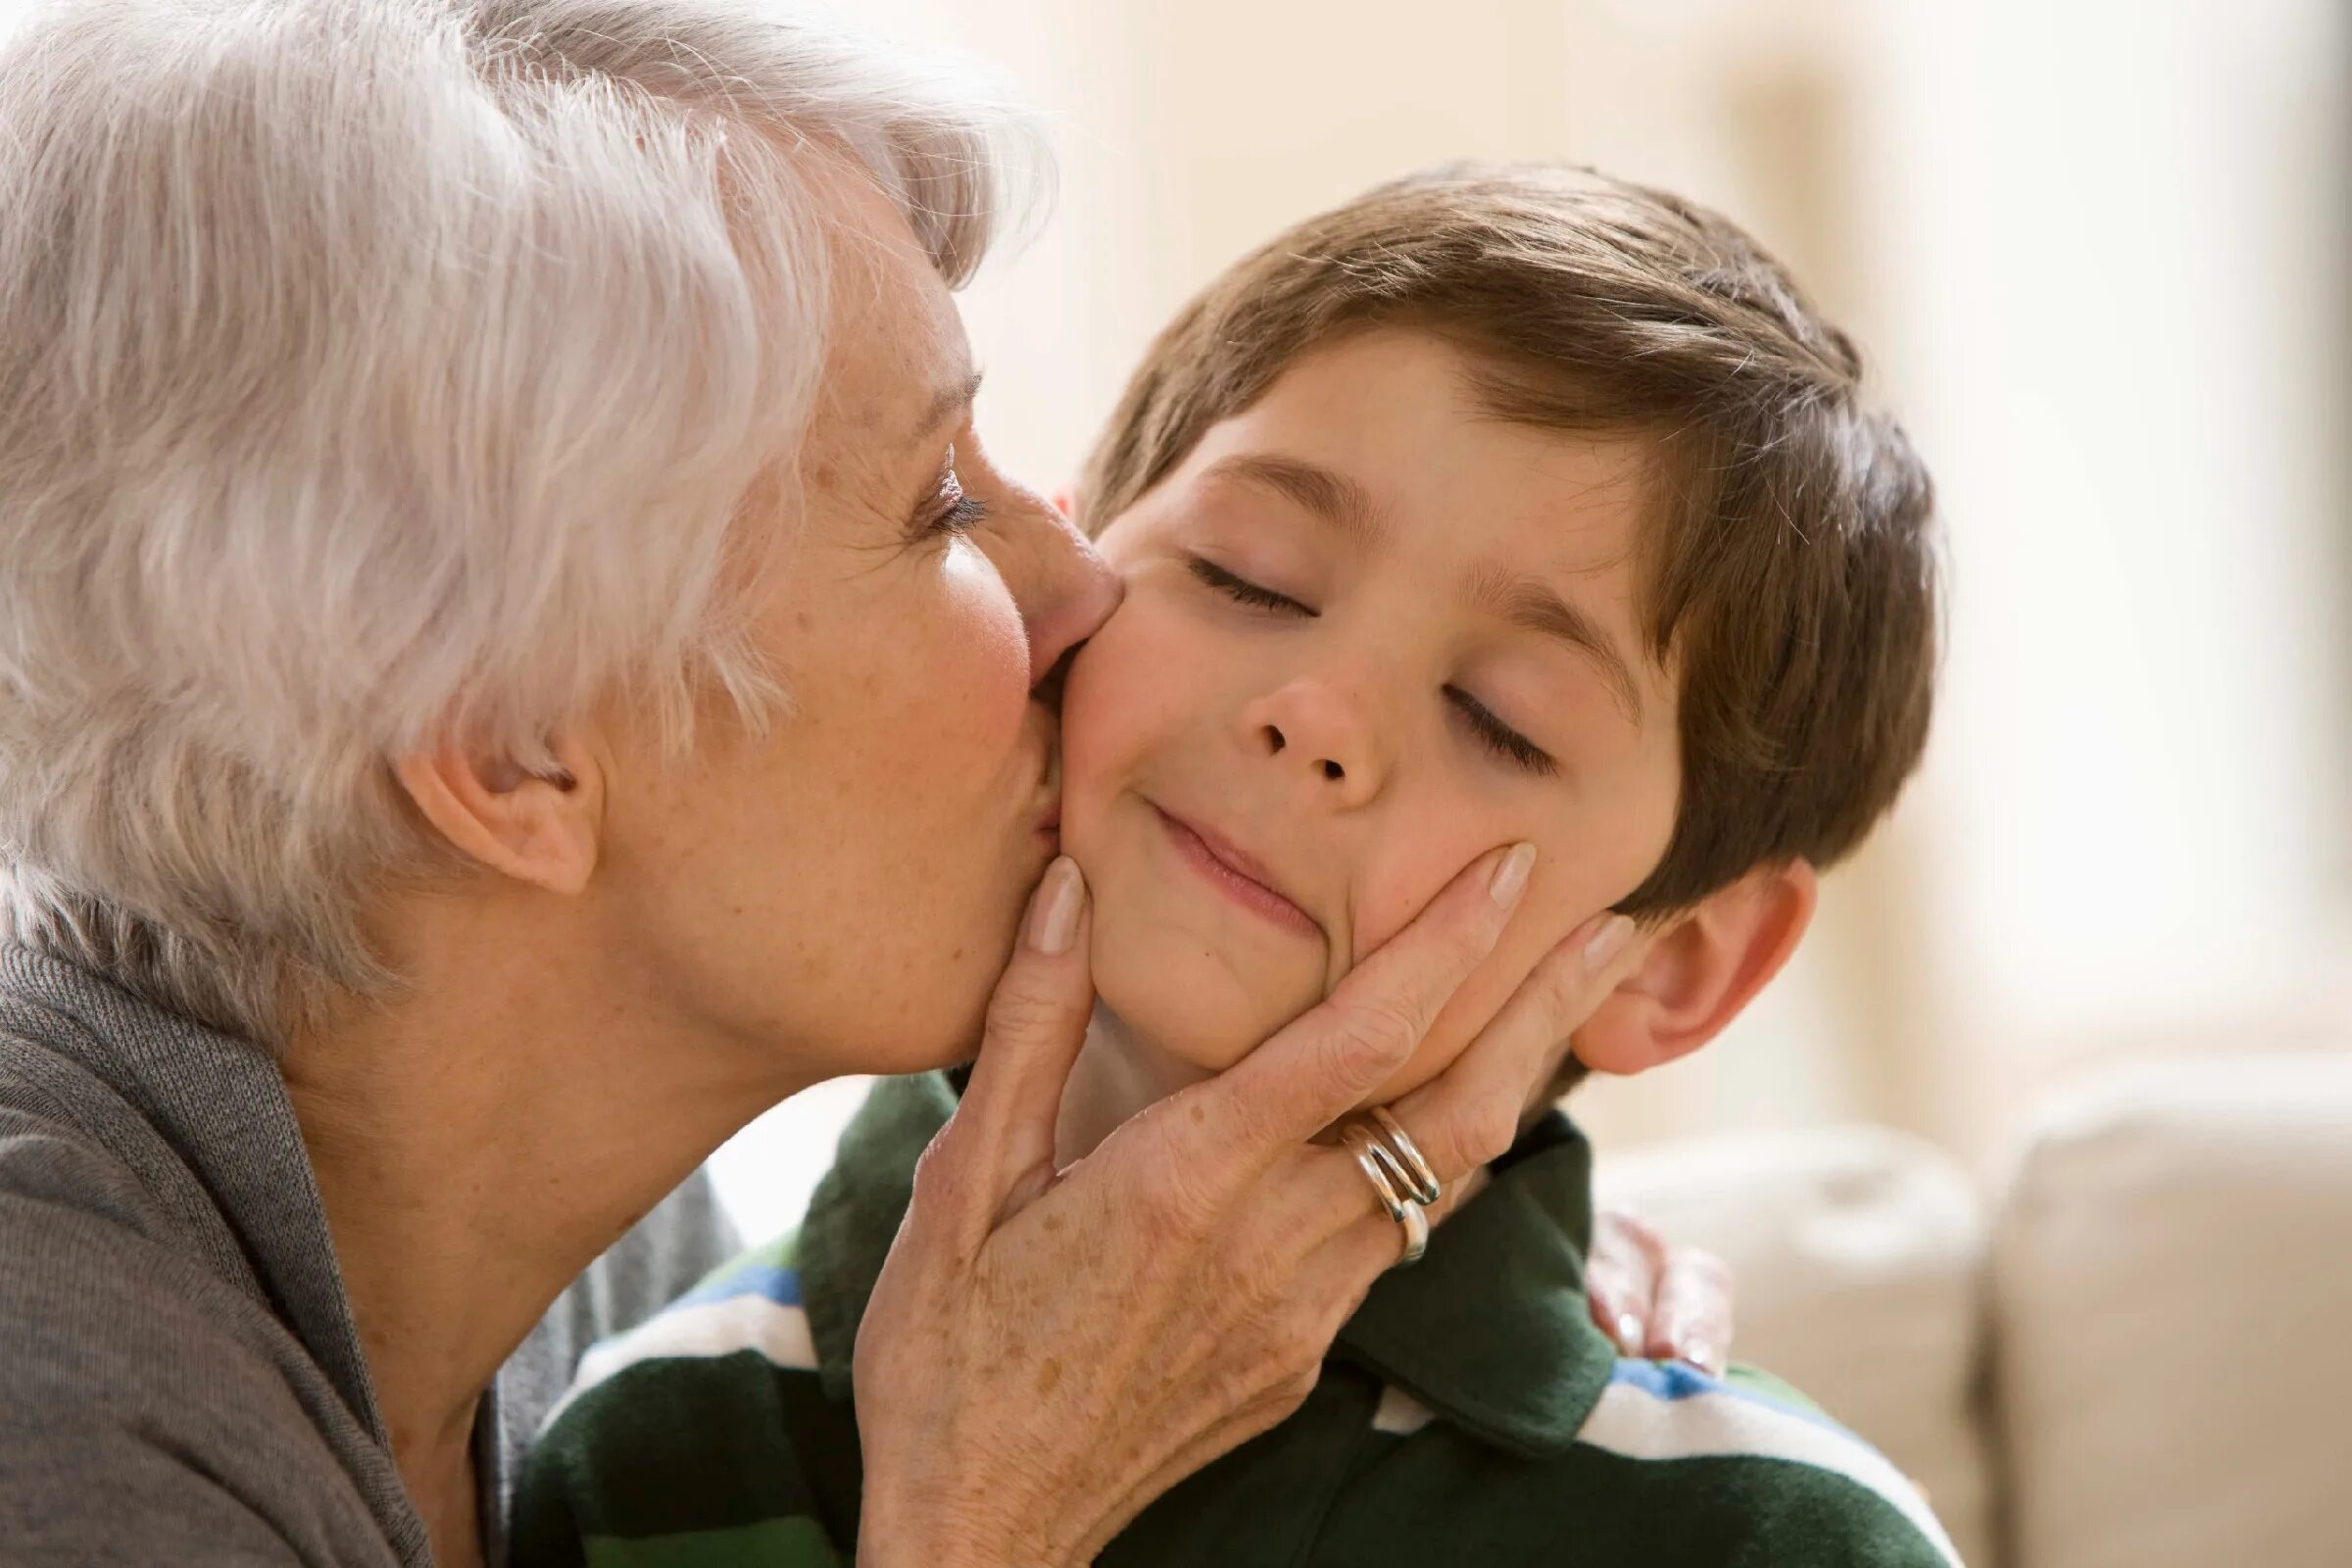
pixel 180 1381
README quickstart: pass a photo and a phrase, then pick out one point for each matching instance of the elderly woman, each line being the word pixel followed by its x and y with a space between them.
pixel 511 662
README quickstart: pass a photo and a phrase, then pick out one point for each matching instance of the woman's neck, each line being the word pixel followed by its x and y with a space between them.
pixel 476 1145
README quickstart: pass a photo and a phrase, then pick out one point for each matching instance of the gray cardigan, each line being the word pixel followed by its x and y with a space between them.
pixel 180 1381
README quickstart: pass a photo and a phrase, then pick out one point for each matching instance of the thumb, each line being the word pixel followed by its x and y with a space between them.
pixel 1000 1142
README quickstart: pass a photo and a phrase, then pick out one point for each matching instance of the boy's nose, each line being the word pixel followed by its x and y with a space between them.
pixel 1313 738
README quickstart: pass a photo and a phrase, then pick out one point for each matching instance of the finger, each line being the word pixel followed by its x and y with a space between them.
pixel 1691 1318
pixel 1000 1144
pixel 1326 1060
pixel 1621 1280
pixel 1469 1113
pixel 1320 1191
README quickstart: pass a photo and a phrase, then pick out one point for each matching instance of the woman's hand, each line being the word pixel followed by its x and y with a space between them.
pixel 1656 1299
pixel 1045 1352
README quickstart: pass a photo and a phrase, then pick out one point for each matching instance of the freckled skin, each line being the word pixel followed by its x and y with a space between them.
pixel 839 892
pixel 1170 704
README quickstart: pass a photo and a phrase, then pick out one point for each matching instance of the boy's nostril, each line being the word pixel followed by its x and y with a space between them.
pixel 1333 770
pixel 1274 740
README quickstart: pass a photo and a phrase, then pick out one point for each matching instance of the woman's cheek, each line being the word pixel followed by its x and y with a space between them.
pixel 979 672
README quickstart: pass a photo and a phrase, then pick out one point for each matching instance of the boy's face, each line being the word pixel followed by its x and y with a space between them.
pixel 1370 632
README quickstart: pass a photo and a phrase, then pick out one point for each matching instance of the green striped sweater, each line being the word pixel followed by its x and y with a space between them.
pixel 1470 1413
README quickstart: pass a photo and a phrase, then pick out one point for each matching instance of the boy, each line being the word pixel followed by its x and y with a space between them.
pixel 1498 504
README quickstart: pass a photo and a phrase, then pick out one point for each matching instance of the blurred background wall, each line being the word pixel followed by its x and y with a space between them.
pixel 2098 249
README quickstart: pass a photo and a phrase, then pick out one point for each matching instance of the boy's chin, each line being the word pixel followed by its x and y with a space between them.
pixel 1191 1013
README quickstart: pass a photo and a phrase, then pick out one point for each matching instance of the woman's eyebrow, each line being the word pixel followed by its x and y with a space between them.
pixel 1328 494
pixel 952 398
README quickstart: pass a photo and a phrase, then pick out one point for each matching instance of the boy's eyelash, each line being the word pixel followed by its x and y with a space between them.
pixel 1241 588
pixel 1492 732
pixel 1499 737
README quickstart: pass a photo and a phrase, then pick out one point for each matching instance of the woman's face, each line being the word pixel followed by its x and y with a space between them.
pixel 842 893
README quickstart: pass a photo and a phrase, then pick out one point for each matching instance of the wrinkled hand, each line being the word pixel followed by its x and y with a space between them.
pixel 1656 1299
pixel 1045 1352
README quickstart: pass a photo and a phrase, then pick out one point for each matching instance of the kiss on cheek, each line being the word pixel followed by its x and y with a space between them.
pixel 1369 633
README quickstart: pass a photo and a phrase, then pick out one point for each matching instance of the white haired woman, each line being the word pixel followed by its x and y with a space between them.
pixel 511 664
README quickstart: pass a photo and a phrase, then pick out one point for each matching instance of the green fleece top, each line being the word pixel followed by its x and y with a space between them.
pixel 1469 1413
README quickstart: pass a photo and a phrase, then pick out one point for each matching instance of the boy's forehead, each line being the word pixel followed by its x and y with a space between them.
pixel 1386 435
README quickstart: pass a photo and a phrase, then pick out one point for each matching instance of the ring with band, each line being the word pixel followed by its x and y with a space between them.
pixel 1400 1177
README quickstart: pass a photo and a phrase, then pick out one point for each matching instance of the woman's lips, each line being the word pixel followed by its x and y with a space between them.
pixel 1215 861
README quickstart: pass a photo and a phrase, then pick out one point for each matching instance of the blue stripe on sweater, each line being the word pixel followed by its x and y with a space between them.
pixel 1679 1380
pixel 781 1286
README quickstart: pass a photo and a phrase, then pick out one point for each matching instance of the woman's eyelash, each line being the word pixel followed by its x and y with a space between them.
pixel 1243 589
pixel 1499 737
pixel 950 509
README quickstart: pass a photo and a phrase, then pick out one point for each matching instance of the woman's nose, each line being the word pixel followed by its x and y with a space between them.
pixel 1065 587
pixel 1322 740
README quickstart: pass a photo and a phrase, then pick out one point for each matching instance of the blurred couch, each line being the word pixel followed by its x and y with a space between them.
pixel 2130 1349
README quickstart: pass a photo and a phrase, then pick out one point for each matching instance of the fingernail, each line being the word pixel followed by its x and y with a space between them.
pixel 1510 877
pixel 1053 910
pixel 1628 1333
pixel 1607 941
pixel 1700 1355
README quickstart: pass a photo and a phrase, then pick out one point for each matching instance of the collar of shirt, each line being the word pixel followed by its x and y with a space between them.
pixel 1489 1329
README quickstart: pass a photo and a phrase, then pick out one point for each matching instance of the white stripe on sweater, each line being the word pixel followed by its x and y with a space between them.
pixel 1632 1421
pixel 712 1329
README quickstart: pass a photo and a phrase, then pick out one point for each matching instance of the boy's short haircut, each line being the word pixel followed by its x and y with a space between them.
pixel 1791 582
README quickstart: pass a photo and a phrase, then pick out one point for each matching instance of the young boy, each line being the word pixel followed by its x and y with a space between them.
pixel 1498 504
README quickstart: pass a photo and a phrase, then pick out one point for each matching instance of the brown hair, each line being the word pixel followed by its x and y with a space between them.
pixel 1793 578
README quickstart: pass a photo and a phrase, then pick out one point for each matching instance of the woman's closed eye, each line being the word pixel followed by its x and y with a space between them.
pixel 1499 737
pixel 1242 589
pixel 948 509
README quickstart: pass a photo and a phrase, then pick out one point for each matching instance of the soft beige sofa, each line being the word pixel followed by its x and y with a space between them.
pixel 2129 1347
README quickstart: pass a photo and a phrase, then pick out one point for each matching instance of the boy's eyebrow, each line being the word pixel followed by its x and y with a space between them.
pixel 1534 605
pixel 1327 493
pixel 1528 603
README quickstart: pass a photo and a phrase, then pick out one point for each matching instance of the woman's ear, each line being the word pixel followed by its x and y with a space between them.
pixel 541 825
pixel 1700 970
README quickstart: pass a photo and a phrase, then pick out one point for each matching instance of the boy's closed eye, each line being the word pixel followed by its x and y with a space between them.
pixel 1479 720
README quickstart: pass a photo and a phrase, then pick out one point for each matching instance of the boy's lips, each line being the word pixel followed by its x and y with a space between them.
pixel 1234 871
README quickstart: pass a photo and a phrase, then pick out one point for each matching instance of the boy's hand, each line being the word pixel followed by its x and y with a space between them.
pixel 1658 1299
pixel 1047 1351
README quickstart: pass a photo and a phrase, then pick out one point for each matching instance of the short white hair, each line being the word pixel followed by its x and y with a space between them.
pixel 379 372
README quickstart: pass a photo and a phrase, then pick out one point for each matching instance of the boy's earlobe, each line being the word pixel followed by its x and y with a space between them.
pixel 1700 970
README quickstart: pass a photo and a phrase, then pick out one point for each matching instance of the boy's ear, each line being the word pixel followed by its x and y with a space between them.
pixel 541 824
pixel 1699 970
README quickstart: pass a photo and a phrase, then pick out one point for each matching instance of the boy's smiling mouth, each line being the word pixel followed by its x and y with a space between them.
pixel 1233 872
